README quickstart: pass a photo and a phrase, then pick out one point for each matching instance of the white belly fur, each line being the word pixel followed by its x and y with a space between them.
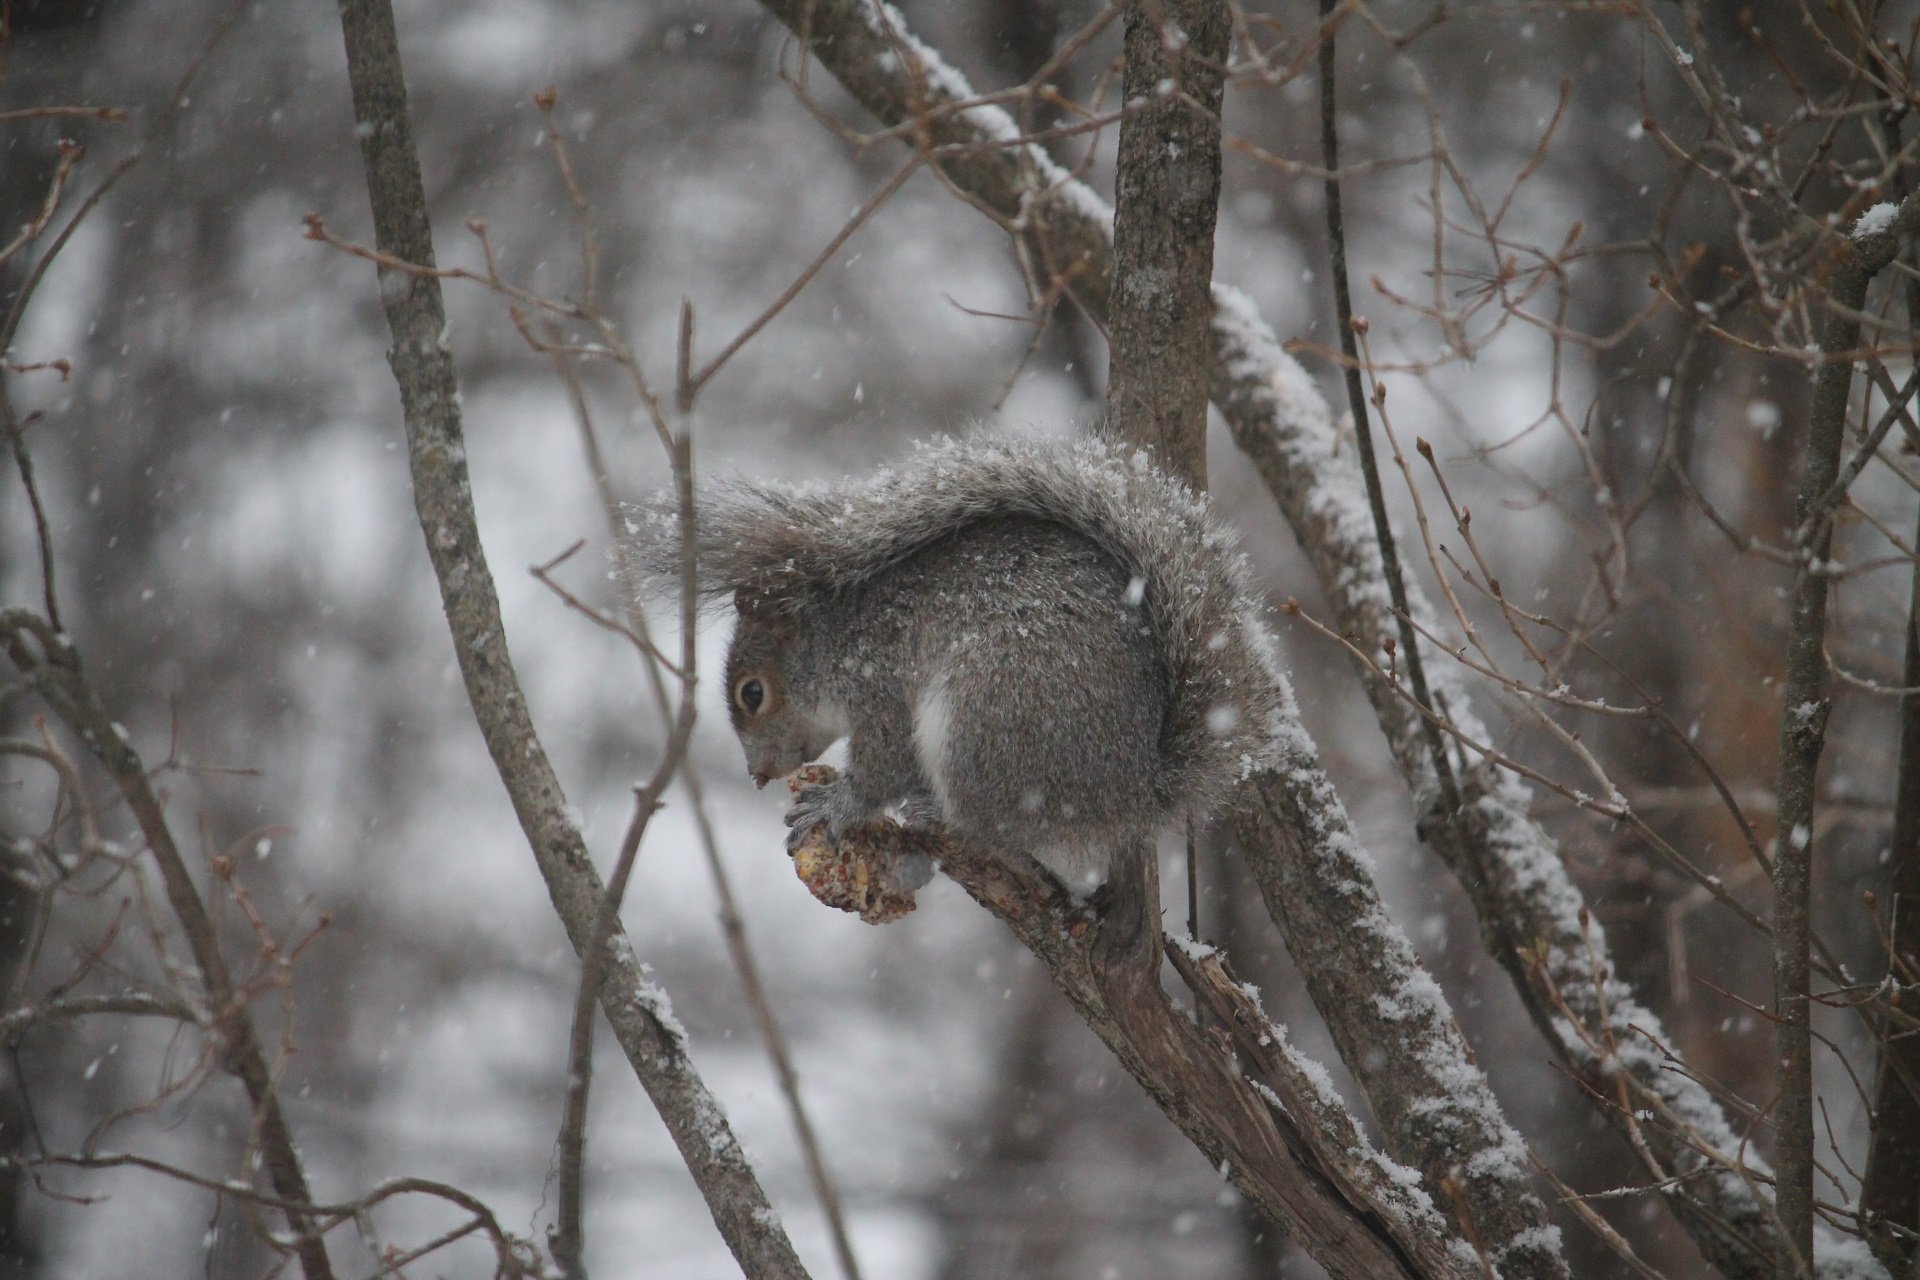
pixel 932 732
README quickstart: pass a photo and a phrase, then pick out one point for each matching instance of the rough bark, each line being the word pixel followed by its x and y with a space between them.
pixel 1395 1030
pixel 1167 193
pixel 638 1012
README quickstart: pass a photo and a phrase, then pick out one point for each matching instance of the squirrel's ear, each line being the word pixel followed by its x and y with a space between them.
pixel 764 614
pixel 761 609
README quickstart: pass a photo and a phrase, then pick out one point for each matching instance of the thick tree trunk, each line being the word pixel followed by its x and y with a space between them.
pixel 1167 197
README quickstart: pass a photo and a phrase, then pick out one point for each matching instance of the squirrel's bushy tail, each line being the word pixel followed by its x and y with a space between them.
pixel 790 543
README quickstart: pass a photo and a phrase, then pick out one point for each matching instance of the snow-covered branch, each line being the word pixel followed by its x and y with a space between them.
pixel 1533 918
pixel 1387 1014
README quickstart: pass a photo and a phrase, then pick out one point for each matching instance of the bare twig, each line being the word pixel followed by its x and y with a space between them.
pixel 733 927
pixel 1349 326
pixel 132 1004
pixel 515 1258
pixel 872 206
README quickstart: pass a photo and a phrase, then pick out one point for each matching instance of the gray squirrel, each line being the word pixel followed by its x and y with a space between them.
pixel 1048 647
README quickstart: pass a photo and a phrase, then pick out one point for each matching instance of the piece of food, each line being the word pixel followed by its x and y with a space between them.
pixel 856 872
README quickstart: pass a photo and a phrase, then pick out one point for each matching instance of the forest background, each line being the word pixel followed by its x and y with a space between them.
pixel 1593 245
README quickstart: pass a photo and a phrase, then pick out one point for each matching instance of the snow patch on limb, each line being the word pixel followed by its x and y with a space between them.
pixel 1267 389
pixel 1192 948
pixel 711 1127
pixel 1386 1184
pixel 1250 353
pixel 1532 1242
pixel 652 999
pixel 1875 220
pixel 1390 1018
pixel 944 86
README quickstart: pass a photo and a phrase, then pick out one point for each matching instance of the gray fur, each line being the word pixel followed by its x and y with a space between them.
pixel 1069 630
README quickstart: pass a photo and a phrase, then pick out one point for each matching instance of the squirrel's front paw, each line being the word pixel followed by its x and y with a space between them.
pixel 831 804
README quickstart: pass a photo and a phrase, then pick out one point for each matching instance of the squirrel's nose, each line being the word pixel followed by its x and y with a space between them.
pixel 760 780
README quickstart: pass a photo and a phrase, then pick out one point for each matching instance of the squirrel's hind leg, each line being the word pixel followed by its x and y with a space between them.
pixel 1055 763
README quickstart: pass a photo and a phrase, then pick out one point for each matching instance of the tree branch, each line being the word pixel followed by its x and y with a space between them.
pixel 52 666
pixel 732 927
pixel 1265 1116
pixel 1167 195
pixel 1803 726
pixel 1890 1191
pixel 637 1010
pixel 1395 1030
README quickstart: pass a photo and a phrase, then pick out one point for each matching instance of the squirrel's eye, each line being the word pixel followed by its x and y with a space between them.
pixel 750 695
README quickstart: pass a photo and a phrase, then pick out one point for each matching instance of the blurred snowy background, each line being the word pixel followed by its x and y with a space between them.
pixel 241 568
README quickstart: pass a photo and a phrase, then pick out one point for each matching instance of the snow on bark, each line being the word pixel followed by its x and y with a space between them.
pixel 1875 220
pixel 943 86
pixel 1394 1027
pixel 1397 1188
